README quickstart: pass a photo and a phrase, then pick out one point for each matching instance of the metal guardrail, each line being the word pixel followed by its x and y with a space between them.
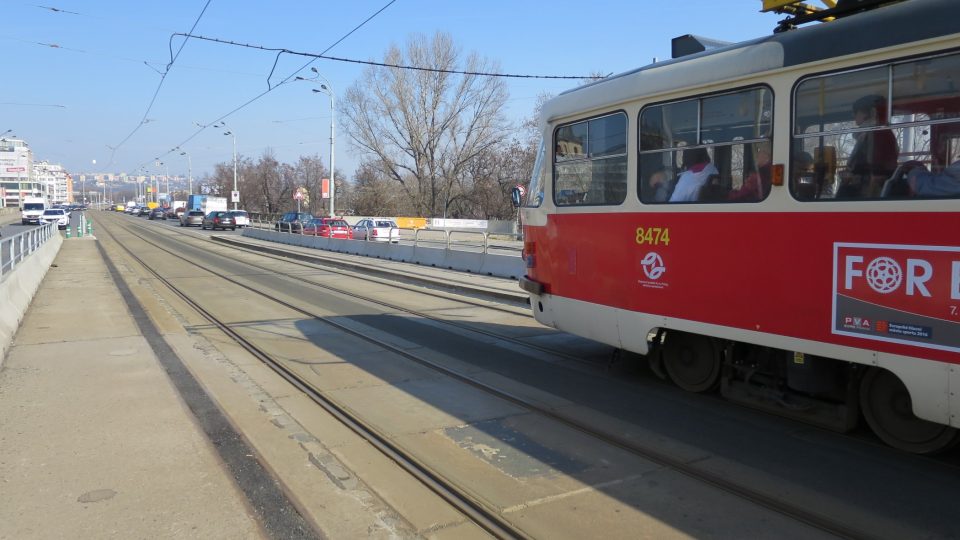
pixel 451 240
pixel 15 249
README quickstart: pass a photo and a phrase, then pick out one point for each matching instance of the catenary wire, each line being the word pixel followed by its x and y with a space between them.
pixel 269 88
pixel 163 77
pixel 318 56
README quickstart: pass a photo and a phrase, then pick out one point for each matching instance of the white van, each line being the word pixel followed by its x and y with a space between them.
pixel 32 209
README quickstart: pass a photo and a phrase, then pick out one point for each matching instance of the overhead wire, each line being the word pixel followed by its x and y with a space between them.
pixel 270 88
pixel 163 77
pixel 319 56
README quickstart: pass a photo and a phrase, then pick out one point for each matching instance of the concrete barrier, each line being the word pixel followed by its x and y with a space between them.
pixel 490 264
pixel 19 286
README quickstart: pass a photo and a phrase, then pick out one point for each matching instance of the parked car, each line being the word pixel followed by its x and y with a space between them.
pixel 292 222
pixel 193 217
pixel 241 217
pixel 59 215
pixel 381 230
pixel 329 227
pixel 219 220
pixel 157 213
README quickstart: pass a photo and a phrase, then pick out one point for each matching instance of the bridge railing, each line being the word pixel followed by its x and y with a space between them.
pixel 14 249
pixel 450 240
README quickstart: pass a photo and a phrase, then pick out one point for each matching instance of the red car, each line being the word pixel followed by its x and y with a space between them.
pixel 329 227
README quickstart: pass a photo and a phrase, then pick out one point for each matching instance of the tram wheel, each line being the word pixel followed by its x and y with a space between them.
pixel 692 361
pixel 888 409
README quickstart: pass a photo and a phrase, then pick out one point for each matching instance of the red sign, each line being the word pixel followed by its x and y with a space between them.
pixel 325 188
pixel 16 169
pixel 298 195
pixel 900 293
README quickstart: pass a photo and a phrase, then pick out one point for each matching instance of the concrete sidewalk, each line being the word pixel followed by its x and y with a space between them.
pixel 95 442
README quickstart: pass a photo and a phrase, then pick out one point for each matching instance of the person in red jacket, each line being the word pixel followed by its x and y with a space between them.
pixel 756 186
pixel 874 156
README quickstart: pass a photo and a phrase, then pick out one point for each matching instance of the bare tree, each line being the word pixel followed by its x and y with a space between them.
pixel 374 193
pixel 423 128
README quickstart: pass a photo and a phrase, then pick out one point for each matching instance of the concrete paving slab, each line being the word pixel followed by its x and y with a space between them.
pixel 361 370
pixel 95 435
pixel 336 497
pixel 92 432
pixel 420 405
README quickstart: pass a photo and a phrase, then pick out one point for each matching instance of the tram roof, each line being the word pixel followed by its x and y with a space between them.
pixel 897 24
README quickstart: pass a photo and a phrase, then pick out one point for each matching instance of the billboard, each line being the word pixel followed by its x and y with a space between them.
pixel 908 294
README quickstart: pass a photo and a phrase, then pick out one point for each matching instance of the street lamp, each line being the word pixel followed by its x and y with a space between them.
pixel 229 132
pixel 189 172
pixel 327 89
pixel 166 176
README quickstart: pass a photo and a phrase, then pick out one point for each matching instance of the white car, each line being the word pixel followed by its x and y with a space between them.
pixel 379 229
pixel 61 216
pixel 241 217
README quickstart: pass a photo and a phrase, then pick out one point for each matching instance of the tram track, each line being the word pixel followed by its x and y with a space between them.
pixel 523 312
pixel 819 521
pixel 460 500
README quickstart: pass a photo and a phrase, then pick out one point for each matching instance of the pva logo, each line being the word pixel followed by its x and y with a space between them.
pixel 914 276
pixel 858 323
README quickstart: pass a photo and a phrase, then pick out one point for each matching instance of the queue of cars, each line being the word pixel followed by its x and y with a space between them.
pixel 373 229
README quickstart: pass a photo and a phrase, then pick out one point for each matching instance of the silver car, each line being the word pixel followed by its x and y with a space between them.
pixel 241 217
pixel 193 217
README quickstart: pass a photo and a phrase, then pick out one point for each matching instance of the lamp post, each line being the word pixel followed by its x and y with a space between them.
pixel 230 132
pixel 189 172
pixel 166 177
pixel 327 88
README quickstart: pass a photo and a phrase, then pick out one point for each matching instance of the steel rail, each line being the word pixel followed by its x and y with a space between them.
pixel 802 515
pixel 474 510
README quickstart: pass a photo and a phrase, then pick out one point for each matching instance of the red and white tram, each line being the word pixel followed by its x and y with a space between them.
pixel 779 218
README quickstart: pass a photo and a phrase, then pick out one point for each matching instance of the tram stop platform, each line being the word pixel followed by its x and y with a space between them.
pixel 95 441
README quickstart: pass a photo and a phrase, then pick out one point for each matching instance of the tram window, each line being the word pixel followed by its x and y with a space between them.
pixel 571 142
pixel 868 143
pixel 592 168
pixel 669 126
pixel 738 116
pixel 535 190
pixel 714 149
pixel 926 90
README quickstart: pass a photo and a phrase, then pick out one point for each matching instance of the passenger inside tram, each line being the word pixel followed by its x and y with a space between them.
pixel 756 186
pixel 659 186
pixel 913 179
pixel 874 156
pixel 697 169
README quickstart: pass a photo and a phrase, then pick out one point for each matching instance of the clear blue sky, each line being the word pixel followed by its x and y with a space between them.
pixel 73 101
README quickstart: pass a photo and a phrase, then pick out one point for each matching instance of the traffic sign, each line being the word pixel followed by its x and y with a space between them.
pixel 521 189
pixel 235 196
pixel 298 195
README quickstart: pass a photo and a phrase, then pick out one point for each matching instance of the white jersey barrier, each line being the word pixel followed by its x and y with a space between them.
pixel 478 261
pixel 24 260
